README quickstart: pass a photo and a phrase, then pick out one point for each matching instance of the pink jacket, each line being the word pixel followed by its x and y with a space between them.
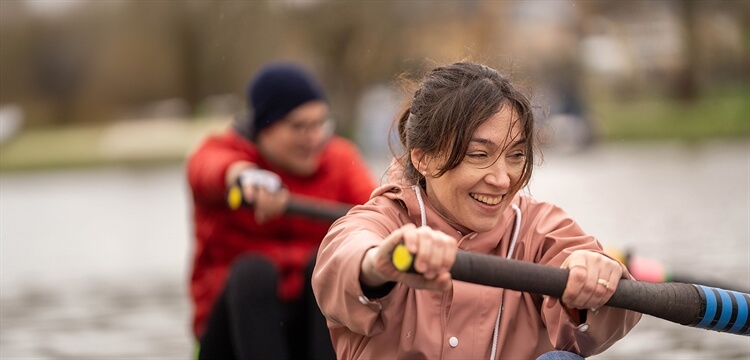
pixel 459 324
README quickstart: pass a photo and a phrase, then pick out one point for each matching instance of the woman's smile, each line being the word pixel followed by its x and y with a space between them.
pixel 487 199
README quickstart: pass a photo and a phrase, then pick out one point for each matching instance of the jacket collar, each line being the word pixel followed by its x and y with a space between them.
pixel 485 242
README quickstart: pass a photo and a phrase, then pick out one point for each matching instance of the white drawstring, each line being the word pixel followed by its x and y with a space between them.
pixel 514 237
pixel 421 204
pixel 516 228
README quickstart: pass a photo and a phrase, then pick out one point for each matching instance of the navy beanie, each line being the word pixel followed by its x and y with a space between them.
pixel 276 90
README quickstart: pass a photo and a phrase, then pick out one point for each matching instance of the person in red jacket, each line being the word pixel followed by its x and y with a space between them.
pixel 250 283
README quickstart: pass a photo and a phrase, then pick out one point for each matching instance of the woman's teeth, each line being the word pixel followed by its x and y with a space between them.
pixel 489 200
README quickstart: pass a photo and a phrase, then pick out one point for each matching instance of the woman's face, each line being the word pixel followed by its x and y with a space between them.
pixel 473 195
pixel 295 142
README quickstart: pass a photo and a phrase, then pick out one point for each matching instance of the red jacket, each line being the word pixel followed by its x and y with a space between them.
pixel 289 242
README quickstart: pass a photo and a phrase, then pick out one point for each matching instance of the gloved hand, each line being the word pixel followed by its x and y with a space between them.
pixel 261 189
pixel 260 178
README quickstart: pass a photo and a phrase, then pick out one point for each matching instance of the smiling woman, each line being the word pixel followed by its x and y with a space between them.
pixel 488 173
pixel 468 137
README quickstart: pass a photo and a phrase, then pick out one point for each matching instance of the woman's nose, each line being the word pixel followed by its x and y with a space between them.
pixel 317 132
pixel 315 135
pixel 497 175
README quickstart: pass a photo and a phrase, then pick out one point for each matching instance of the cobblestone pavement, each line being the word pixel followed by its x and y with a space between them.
pixel 93 263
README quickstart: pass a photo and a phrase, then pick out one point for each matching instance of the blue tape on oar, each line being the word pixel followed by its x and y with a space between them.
pixel 742 313
pixel 707 296
pixel 724 310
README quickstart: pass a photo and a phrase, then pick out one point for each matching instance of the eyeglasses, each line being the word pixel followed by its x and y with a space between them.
pixel 301 128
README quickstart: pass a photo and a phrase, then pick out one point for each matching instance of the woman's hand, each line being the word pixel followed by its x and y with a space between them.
pixel 435 253
pixel 592 281
pixel 267 205
pixel 260 188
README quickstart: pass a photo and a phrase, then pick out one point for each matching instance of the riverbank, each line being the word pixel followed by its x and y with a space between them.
pixel 133 142
pixel 161 141
pixel 717 115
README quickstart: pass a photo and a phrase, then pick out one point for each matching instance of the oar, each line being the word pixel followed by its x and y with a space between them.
pixel 673 301
pixel 315 208
pixel 643 269
pixel 686 304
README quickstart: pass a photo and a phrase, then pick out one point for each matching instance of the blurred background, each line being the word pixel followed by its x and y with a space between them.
pixel 644 107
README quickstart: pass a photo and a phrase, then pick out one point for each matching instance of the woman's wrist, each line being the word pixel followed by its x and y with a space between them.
pixel 368 275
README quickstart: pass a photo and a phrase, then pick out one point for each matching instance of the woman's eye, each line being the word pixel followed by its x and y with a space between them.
pixel 518 155
pixel 477 155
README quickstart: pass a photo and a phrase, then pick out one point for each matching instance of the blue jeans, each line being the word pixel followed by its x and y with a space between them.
pixel 559 355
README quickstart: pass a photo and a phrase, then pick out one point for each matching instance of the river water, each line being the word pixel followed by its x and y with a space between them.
pixel 94 262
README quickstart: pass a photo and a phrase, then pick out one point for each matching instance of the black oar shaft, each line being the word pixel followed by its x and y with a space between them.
pixel 675 302
pixel 316 208
pixel 534 278
pixel 509 274
pixel 686 304
pixel 313 208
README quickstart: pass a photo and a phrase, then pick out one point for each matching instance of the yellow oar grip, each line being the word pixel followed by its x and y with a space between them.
pixel 234 197
pixel 402 259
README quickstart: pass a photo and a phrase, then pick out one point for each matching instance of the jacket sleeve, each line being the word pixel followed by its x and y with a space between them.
pixel 207 166
pixel 560 236
pixel 336 276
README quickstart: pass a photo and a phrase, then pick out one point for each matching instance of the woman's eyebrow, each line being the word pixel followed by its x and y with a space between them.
pixel 518 142
pixel 490 143
pixel 483 141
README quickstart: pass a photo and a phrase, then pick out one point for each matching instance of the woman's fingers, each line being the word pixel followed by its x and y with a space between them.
pixel 434 254
pixel 437 252
pixel 409 237
pixel 383 261
pixel 428 249
pixel 575 290
pixel 249 192
pixel 269 205
pixel 607 282
pixel 592 279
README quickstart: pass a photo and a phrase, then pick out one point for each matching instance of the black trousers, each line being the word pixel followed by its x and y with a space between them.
pixel 248 321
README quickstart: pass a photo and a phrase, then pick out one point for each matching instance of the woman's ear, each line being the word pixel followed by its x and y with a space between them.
pixel 419 160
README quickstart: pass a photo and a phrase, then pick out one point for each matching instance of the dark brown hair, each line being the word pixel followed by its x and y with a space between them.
pixel 450 103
